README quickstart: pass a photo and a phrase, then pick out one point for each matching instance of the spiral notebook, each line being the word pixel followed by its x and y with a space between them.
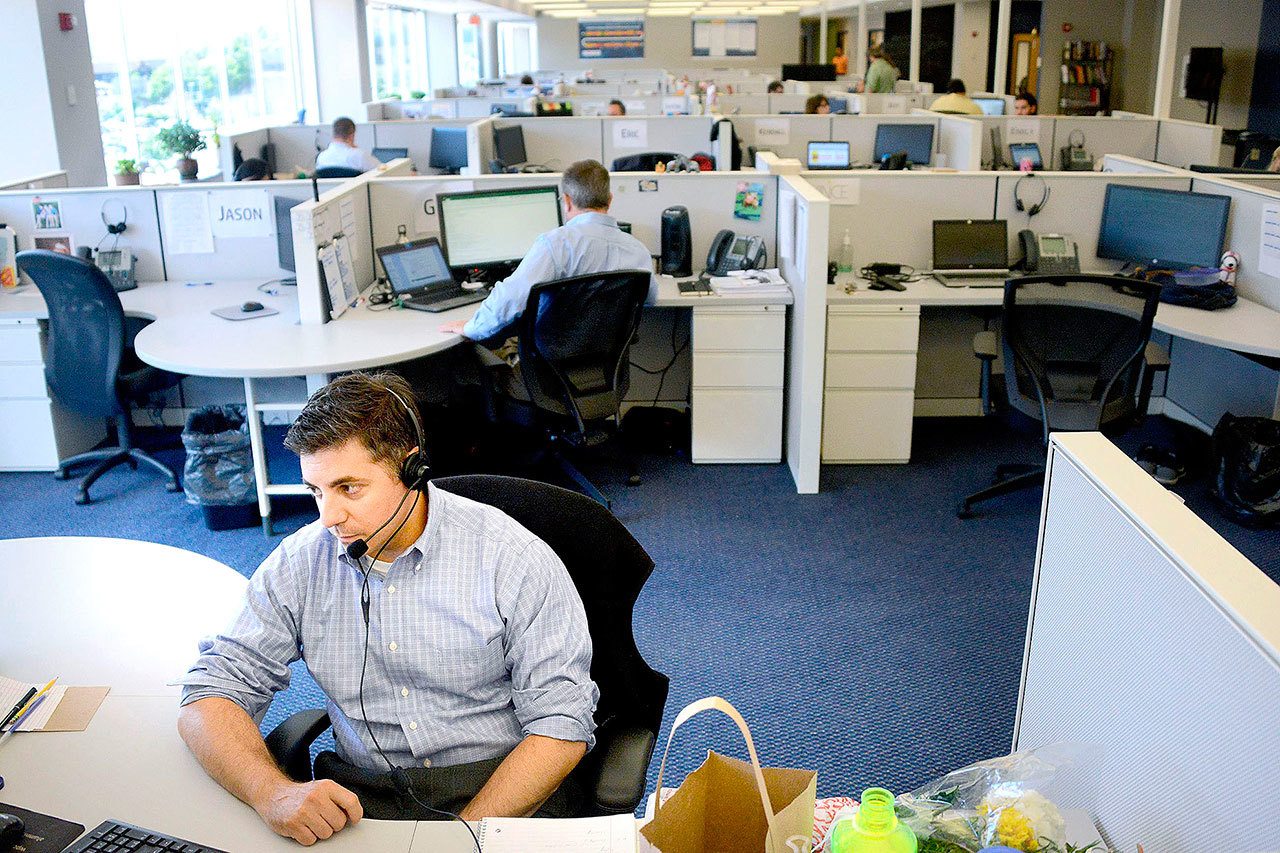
pixel 612 834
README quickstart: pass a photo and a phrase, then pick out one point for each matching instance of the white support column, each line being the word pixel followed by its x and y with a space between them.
pixel 861 46
pixel 1168 51
pixel 822 34
pixel 915 42
pixel 1000 80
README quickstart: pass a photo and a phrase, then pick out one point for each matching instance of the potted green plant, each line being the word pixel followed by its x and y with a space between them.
pixel 184 140
pixel 417 94
pixel 126 173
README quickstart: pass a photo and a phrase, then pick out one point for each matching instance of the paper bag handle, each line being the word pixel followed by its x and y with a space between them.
pixel 715 703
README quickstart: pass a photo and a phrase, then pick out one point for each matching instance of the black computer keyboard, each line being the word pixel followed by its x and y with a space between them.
pixel 113 836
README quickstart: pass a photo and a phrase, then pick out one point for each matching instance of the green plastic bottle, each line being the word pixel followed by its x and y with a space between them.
pixel 874 829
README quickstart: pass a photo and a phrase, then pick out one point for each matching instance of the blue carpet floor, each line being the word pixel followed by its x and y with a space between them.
pixel 864 632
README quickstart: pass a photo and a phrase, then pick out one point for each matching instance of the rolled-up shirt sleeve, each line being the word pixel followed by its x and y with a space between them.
pixel 547 645
pixel 249 662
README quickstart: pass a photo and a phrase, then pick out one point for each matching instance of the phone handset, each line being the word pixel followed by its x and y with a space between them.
pixel 1030 250
pixel 1050 254
pixel 730 251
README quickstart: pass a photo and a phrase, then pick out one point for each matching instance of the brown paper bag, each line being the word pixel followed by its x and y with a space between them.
pixel 727 805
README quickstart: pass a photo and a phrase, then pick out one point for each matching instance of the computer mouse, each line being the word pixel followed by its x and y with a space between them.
pixel 11 831
pixel 252 306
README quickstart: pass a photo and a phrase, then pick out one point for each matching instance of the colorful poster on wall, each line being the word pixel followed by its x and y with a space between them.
pixel 620 39
pixel 724 36
pixel 748 202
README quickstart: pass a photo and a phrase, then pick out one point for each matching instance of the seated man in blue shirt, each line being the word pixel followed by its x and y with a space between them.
pixel 447 639
pixel 589 241
pixel 343 152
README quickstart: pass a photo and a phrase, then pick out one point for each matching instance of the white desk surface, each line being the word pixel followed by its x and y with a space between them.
pixel 1244 327
pixel 148 604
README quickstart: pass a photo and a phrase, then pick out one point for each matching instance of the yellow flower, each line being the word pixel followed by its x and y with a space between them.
pixel 1014 830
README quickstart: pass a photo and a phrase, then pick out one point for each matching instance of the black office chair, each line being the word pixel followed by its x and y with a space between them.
pixel 338 172
pixel 645 162
pixel 609 568
pixel 1073 358
pixel 574 370
pixel 88 364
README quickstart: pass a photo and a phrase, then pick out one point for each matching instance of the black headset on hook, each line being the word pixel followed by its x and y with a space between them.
pixel 1022 206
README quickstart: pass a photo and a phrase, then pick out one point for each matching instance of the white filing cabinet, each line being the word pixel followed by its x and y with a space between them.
pixel 35 432
pixel 869 393
pixel 739 355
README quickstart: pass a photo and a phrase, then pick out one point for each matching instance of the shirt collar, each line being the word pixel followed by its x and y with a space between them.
pixel 593 218
pixel 418 550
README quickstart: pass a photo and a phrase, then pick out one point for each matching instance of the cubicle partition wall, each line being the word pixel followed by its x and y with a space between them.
pixel 1103 135
pixel 557 142
pixel 250 143
pixel 1181 143
pixel 625 136
pixel 414 136
pixel 45 181
pixel 343 210
pixel 1134 165
pixel 1022 129
pixel 297 144
pixel 959 143
pixel 785 136
pixel 743 103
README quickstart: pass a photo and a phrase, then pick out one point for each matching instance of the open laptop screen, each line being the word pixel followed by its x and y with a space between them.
pixel 828 155
pixel 970 244
pixel 418 266
pixel 1018 151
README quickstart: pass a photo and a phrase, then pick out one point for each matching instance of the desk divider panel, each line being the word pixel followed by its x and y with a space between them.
pixel 1037 129
pixel 860 132
pixel 742 103
pixel 785 136
pixel 557 142
pixel 344 209
pixel 479 146
pixel 680 134
pixel 1181 143
pixel 43 181
pixel 81 212
pixel 411 202
pixel 1261 180
pixel 1104 135
pixel 788 103
pixel 959 141
pixel 1244 232
pixel 413 135
pixel 1135 166
pixel 250 143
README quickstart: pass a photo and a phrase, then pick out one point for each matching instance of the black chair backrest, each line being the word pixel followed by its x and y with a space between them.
pixel 608 567
pixel 1073 352
pixel 645 162
pixel 86 331
pixel 575 336
pixel 338 172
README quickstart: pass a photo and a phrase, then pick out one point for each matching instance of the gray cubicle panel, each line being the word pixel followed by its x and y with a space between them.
pixel 1181 143
pixel 786 136
pixel 297 144
pixel 414 135
pixel 81 212
pixel 1105 135
pixel 1244 232
pixel 785 103
pixel 680 134
pixel 860 132
pixel 1037 129
pixel 742 103
pixel 250 143
pixel 557 142
pixel 1261 180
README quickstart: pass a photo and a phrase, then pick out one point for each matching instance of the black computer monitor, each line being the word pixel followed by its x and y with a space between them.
pixel 991 106
pixel 508 145
pixel 806 71
pixel 1167 229
pixel 448 149
pixel 915 139
pixel 493 228
pixel 284 231
pixel 554 108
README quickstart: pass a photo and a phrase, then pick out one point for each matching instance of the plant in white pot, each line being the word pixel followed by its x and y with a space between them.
pixel 184 140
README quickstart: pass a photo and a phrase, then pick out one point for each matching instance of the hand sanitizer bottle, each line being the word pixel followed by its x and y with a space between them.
pixel 844 261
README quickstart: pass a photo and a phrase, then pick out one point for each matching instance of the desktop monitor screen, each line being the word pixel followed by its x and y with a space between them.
pixel 508 145
pixel 1019 151
pixel 493 227
pixel 554 108
pixel 1163 228
pixel 991 106
pixel 448 148
pixel 284 231
pixel 915 139
pixel 386 155
pixel 970 244
pixel 828 155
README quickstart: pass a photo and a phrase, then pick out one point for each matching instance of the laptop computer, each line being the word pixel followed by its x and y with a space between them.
pixel 1018 151
pixel 386 155
pixel 827 155
pixel 971 252
pixel 421 278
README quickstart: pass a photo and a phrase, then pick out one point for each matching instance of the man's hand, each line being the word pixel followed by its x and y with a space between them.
pixel 453 327
pixel 309 812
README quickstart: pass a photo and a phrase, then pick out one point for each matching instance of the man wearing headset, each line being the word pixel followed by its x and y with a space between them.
pixel 476 668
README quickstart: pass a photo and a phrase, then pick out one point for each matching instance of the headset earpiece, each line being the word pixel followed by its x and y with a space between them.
pixel 1020 205
pixel 414 469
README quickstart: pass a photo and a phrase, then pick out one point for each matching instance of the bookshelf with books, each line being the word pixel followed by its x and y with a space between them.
pixel 1087 69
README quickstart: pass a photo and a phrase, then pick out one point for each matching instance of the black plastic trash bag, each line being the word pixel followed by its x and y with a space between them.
pixel 218 474
pixel 1247 458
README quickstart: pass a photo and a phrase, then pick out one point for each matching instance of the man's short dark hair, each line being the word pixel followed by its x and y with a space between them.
pixel 252 169
pixel 955 86
pixel 359 406
pixel 344 128
pixel 616 103
pixel 586 183
pixel 776 86
pixel 526 80
pixel 1029 98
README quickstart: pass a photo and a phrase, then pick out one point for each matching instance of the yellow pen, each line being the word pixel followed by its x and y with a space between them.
pixel 43 690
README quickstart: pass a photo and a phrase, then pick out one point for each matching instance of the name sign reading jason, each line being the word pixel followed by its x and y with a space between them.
pixel 240 213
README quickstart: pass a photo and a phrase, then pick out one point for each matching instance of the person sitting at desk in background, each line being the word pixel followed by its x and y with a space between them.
pixel 956 101
pixel 617 108
pixel 479 683
pixel 817 105
pixel 526 80
pixel 882 75
pixel 589 241
pixel 1026 105
pixel 342 151
pixel 776 88
pixel 252 169
pixel 841 62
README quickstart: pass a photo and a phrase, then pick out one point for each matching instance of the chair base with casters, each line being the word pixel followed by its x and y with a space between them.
pixel 111 457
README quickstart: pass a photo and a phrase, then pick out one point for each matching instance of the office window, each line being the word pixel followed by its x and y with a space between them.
pixel 398 51
pixel 517 48
pixel 153 67
pixel 468 49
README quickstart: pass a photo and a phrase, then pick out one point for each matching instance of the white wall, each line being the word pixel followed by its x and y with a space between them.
pixel 969 45
pixel 30 145
pixel 1236 30
pixel 668 42
pixel 442 50
pixel 342 57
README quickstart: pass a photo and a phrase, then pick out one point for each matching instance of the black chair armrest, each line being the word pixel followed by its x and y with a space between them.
pixel 986 346
pixel 290 742
pixel 1155 359
pixel 623 763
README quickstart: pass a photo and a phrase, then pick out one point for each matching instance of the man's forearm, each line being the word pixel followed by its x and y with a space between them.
pixel 228 744
pixel 525 778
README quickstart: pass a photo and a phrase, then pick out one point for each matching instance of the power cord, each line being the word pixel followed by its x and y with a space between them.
pixel 676 352
pixel 887 276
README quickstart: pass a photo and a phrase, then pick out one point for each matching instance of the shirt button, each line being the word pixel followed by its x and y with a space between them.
pixel 426 762
pixel 392 646
pixel 413 726
pixel 391 589
pixel 404 691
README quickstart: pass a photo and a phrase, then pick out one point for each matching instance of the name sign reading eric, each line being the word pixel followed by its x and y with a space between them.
pixel 241 213
pixel 630 134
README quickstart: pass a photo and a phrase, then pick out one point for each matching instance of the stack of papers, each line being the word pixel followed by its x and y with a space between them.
pixel 62 708
pixel 612 834
pixel 12 692
pixel 751 282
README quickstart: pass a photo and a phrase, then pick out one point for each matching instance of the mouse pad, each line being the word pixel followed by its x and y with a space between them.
pixel 44 833
pixel 233 312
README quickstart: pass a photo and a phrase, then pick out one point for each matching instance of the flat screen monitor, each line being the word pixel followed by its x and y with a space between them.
pixel 838 105
pixel 495 227
pixel 915 139
pixel 284 231
pixel 448 148
pixel 1167 229
pixel 991 106
pixel 508 145
pixel 386 155
pixel 821 73
pixel 970 244
pixel 828 155
pixel 1019 151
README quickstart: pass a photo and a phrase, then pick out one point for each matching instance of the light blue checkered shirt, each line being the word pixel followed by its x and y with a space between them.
pixel 477 638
